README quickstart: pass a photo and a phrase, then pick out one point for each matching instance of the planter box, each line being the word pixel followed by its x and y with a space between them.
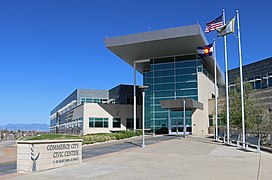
pixel 47 154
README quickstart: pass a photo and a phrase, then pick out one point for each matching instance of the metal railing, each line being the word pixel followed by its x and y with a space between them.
pixel 258 140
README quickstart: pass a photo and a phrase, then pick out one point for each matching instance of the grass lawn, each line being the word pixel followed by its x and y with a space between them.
pixel 89 138
pixel 53 137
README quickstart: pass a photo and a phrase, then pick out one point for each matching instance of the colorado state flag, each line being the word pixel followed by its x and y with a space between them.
pixel 205 51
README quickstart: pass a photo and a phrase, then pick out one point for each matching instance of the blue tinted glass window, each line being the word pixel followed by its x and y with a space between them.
pixel 186 71
pixel 169 66
pixel 158 73
pixel 257 84
pixel 169 79
pixel 270 82
pixel 186 78
pixel 190 92
pixel 159 87
pixel 165 94
pixel 186 85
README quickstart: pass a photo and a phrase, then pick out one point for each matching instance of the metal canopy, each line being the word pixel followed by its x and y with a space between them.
pixel 177 104
pixel 161 43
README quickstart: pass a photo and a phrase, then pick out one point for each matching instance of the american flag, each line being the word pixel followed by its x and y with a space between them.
pixel 213 25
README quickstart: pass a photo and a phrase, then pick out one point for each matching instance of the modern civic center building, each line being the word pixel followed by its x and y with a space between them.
pixel 174 74
pixel 178 81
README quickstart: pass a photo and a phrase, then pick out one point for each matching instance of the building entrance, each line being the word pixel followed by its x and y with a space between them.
pixel 176 117
pixel 176 126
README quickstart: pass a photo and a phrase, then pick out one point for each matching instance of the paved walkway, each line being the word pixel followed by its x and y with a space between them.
pixel 7 151
pixel 8 164
pixel 116 146
pixel 191 158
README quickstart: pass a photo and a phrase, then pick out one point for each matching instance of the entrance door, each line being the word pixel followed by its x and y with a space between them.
pixel 177 126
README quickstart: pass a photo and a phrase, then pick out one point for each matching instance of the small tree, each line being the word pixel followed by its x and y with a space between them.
pixel 252 107
pixel 265 121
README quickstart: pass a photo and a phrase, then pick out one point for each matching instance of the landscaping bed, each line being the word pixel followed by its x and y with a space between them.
pixel 89 138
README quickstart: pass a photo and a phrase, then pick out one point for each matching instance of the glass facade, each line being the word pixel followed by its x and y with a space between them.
pixel 170 78
pixel 65 124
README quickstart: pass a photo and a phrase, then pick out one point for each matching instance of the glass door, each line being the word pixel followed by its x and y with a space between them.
pixel 177 126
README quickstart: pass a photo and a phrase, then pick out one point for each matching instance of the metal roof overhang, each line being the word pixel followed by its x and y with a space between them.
pixel 161 43
pixel 177 104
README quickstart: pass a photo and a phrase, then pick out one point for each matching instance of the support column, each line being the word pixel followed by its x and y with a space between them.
pixel 143 120
pixel 134 98
pixel 184 118
pixel 169 122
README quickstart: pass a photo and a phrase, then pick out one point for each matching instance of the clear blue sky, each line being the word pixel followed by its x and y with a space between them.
pixel 48 48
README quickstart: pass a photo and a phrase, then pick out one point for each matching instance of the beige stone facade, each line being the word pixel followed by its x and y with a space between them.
pixel 109 111
pixel 200 118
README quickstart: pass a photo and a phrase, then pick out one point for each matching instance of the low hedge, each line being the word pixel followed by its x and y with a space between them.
pixel 103 137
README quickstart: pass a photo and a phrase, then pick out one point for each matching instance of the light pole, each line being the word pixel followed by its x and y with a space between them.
pixel 184 119
pixel 184 116
pixel 143 111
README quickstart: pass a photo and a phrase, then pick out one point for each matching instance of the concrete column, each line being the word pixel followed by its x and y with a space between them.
pixel 134 100
pixel 169 122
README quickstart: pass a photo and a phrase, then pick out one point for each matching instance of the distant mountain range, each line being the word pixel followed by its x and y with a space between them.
pixel 26 127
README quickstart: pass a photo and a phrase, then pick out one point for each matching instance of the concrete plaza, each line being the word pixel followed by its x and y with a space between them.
pixel 179 158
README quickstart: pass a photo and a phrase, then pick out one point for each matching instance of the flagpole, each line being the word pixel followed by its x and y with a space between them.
pixel 241 81
pixel 215 90
pixel 227 81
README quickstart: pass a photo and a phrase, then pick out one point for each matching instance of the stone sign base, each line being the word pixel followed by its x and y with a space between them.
pixel 47 154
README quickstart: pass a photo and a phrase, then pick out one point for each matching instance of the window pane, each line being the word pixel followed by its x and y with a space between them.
pixel 270 82
pixel 116 122
pixel 186 78
pixel 91 122
pixel 98 122
pixel 158 73
pixel 258 85
pixel 186 71
pixel 106 122
pixel 186 85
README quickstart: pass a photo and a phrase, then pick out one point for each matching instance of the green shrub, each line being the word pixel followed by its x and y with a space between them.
pixel 103 137
pixel 53 137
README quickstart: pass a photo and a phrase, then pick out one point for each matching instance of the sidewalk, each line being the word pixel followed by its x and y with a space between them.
pixel 8 151
pixel 190 158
